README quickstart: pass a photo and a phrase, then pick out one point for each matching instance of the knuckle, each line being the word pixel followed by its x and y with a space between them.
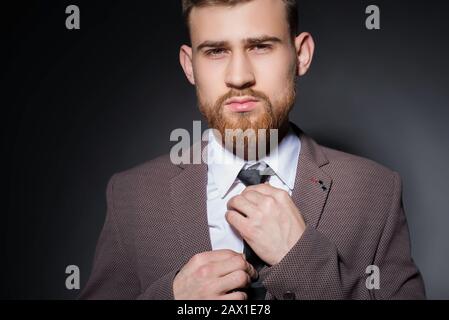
pixel 204 271
pixel 284 194
pixel 249 188
pixel 230 252
pixel 241 277
pixel 269 200
pixel 240 262
pixel 248 192
pixel 233 201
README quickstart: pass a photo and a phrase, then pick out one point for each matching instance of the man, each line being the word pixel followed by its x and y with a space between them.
pixel 304 224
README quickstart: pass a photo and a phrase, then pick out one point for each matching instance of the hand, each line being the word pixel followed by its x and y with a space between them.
pixel 212 275
pixel 268 220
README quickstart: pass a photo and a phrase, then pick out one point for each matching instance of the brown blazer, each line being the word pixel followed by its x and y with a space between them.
pixel 157 220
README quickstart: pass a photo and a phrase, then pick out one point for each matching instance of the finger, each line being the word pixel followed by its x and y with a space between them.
pixel 241 204
pixel 253 196
pixel 237 295
pixel 235 280
pixel 237 220
pixel 253 273
pixel 222 268
pixel 238 263
pixel 268 190
pixel 214 256
pixel 264 188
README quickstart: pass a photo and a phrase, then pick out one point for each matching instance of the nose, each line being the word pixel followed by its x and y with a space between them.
pixel 239 73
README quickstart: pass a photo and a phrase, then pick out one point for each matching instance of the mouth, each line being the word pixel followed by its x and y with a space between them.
pixel 241 104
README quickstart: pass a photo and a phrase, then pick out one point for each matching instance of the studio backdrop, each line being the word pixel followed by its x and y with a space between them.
pixel 82 103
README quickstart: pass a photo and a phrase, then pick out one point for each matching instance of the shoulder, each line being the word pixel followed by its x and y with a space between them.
pixel 346 168
pixel 342 163
pixel 160 166
pixel 152 175
pixel 358 177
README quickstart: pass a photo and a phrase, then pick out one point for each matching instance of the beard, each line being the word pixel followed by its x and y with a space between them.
pixel 268 118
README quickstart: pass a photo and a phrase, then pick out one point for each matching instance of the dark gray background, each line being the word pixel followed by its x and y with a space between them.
pixel 78 106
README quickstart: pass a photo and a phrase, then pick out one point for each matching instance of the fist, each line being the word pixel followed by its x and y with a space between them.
pixel 268 220
pixel 214 275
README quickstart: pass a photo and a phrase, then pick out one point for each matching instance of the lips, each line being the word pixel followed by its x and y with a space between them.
pixel 241 104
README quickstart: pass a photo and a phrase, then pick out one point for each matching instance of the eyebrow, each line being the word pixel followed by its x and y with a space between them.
pixel 247 42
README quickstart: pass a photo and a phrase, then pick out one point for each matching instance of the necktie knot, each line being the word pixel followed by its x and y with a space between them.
pixel 253 175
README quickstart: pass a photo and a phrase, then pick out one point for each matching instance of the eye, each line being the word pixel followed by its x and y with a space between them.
pixel 216 52
pixel 262 47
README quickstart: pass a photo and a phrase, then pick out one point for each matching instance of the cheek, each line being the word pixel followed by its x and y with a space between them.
pixel 208 80
pixel 275 76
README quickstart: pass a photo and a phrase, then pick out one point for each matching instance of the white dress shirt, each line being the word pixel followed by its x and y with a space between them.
pixel 222 184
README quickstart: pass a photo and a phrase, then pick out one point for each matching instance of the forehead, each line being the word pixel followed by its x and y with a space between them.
pixel 234 23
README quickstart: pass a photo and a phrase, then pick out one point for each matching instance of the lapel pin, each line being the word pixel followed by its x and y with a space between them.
pixel 321 183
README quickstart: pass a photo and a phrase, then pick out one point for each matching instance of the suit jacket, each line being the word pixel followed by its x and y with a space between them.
pixel 157 220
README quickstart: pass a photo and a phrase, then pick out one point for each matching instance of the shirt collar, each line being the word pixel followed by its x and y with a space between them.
pixel 284 160
pixel 225 167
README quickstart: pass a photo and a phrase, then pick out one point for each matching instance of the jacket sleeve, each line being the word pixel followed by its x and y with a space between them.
pixel 113 275
pixel 309 271
pixel 312 269
pixel 399 276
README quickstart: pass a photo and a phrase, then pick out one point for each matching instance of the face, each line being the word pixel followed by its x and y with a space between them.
pixel 243 62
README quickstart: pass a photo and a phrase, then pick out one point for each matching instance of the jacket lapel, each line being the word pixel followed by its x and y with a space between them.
pixel 188 198
pixel 312 184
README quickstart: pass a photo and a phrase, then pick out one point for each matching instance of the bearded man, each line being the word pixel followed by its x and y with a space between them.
pixel 286 218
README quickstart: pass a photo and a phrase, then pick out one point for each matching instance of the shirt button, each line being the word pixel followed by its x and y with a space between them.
pixel 289 295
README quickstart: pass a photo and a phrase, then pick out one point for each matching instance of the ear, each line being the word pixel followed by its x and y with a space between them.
pixel 185 59
pixel 305 47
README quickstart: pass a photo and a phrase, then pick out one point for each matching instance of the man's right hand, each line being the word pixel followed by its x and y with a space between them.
pixel 214 275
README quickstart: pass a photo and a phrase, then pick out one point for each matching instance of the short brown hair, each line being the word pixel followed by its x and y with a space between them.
pixel 290 5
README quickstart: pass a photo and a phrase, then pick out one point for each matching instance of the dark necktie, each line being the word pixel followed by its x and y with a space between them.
pixel 256 290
